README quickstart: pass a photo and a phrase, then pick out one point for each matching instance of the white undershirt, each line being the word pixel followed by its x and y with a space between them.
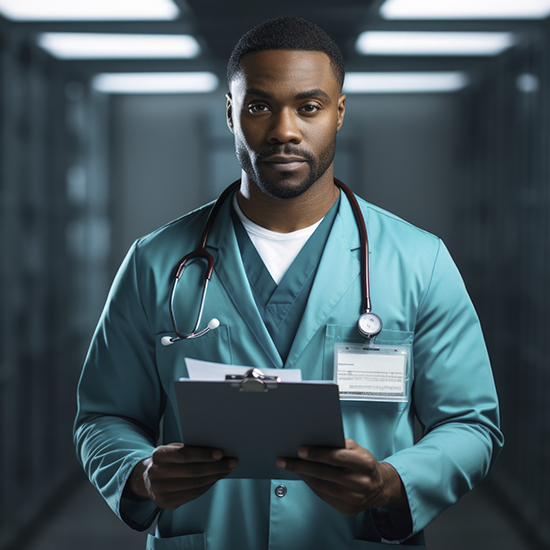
pixel 277 250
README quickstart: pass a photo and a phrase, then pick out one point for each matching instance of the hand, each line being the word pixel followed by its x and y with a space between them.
pixel 349 479
pixel 176 474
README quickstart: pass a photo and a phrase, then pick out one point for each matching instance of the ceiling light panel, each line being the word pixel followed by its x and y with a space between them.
pixel 434 43
pixel 407 82
pixel 156 83
pixel 92 10
pixel 118 46
pixel 465 9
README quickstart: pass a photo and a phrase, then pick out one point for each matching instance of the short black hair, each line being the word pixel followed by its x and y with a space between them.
pixel 286 33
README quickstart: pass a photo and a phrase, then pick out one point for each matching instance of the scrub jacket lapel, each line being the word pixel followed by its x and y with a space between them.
pixel 230 269
pixel 339 264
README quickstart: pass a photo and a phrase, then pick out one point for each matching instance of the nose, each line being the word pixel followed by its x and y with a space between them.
pixel 284 128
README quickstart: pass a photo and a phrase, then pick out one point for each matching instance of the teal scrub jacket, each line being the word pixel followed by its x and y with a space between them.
pixel 126 385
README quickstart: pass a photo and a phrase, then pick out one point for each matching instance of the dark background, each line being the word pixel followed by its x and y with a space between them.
pixel 83 174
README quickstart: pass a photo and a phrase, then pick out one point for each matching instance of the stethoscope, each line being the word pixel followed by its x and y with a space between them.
pixel 369 324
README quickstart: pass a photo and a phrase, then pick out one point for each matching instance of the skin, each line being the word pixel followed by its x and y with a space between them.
pixel 284 109
pixel 176 474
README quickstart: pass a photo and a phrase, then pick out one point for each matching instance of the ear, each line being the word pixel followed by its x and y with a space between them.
pixel 229 111
pixel 341 111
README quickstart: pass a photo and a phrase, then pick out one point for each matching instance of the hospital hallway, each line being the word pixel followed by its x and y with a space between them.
pixel 114 124
pixel 83 521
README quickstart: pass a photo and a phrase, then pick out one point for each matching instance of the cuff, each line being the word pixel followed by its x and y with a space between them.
pixel 391 524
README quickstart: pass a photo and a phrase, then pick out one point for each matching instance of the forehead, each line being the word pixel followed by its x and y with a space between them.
pixel 276 70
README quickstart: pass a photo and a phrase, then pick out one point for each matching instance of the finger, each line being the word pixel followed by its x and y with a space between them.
pixel 355 496
pixel 159 472
pixel 326 454
pixel 171 491
pixel 180 485
pixel 342 477
pixel 204 469
pixel 180 454
pixel 317 470
pixel 353 457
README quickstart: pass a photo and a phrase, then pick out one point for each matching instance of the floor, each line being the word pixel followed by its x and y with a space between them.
pixel 84 522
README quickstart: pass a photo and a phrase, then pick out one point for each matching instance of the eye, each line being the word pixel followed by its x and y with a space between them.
pixel 258 108
pixel 310 108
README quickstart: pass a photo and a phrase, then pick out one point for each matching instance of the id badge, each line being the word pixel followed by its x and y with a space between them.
pixel 372 372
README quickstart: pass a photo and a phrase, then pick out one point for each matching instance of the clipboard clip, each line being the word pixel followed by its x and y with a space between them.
pixel 253 380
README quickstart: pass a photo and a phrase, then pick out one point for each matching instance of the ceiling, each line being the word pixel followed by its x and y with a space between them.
pixel 218 24
pixel 221 23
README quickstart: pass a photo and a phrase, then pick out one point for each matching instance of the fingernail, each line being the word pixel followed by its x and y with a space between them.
pixel 302 452
pixel 232 463
pixel 217 454
pixel 281 464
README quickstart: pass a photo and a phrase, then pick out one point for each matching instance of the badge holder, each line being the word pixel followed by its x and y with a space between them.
pixel 372 372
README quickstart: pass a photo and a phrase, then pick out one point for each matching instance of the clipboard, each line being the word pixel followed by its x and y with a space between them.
pixel 258 419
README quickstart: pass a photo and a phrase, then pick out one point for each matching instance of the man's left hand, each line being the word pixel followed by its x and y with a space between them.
pixel 350 479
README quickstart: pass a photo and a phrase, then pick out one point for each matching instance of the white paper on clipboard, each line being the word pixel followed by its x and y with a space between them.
pixel 209 370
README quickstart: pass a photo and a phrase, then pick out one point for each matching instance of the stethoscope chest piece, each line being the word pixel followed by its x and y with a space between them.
pixel 369 325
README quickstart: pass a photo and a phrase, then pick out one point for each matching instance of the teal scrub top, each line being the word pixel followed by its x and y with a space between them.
pixel 126 387
pixel 282 305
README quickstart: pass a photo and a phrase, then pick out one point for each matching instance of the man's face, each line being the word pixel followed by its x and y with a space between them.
pixel 285 109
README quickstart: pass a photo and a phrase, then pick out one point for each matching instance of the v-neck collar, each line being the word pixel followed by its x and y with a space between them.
pixel 282 306
pixel 337 271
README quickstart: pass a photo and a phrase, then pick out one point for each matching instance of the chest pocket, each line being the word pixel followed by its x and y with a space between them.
pixel 380 426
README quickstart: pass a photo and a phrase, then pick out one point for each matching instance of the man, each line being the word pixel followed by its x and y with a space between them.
pixel 284 108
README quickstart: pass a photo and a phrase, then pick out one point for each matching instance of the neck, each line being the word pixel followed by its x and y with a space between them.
pixel 287 215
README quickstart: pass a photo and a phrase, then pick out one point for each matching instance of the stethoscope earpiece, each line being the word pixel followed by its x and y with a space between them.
pixel 212 325
pixel 167 340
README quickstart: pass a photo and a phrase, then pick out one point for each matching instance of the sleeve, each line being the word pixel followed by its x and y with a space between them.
pixel 455 401
pixel 120 398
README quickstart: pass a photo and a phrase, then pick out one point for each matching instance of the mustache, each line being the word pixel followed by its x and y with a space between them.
pixel 286 149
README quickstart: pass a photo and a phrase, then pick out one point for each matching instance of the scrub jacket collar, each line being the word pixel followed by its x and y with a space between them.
pixel 324 295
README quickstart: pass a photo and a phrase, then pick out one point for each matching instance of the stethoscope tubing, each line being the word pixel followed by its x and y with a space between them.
pixel 201 253
pixel 366 306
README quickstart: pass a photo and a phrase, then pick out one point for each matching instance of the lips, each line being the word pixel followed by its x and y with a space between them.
pixel 284 163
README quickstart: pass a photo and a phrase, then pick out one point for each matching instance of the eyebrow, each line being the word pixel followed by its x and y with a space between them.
pixel 258 92
pixel 315 92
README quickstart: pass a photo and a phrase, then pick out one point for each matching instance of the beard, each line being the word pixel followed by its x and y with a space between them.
pixel 285 187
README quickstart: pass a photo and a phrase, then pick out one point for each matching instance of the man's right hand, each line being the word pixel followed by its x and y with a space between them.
pixel 176 474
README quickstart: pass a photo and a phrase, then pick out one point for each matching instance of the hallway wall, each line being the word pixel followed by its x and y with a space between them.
pixel 505 254
pixel 170 154
pixel 54 246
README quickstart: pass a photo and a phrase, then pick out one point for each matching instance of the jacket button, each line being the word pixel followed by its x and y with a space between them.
pixel 280 491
